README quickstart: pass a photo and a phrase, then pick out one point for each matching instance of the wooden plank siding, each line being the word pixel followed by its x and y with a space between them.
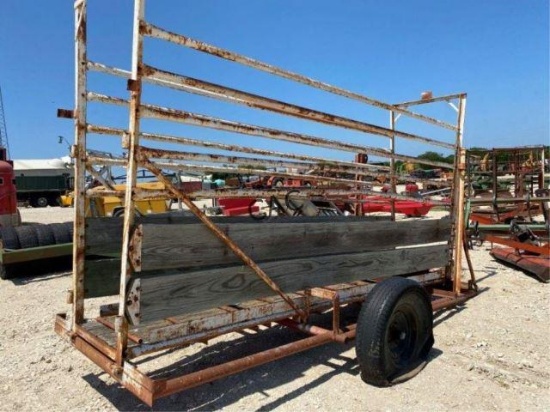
pixel 171 292
pixel 186 269
pixel 173 246
pixel 104 234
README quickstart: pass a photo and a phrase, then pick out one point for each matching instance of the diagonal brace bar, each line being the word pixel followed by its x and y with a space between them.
pixel 219 233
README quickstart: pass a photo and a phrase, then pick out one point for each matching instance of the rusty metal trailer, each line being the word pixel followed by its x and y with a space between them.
pixel 171 280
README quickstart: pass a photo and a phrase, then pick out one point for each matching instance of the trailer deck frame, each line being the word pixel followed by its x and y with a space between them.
pixel 118 335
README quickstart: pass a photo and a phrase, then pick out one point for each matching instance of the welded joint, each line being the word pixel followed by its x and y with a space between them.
pixel 133 85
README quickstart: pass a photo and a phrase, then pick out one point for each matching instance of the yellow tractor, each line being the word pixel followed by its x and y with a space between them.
pixel 103 206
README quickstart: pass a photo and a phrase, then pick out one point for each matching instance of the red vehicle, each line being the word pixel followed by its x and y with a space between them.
pixel 9 215
pixel 410 208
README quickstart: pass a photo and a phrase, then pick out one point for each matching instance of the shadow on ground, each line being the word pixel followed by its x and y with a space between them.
pixel 231 390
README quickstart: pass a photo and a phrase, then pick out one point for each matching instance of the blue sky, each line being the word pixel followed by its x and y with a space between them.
pixel 495 50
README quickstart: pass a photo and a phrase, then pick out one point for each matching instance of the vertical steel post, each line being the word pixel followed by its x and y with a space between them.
pixel 79 154
pixel 459 195
pixel 393 120
pixel 132 145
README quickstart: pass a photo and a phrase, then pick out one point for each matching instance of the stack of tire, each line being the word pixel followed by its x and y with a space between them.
pixel 32 236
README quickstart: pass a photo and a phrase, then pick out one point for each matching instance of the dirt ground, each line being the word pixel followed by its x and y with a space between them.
pixel 489 354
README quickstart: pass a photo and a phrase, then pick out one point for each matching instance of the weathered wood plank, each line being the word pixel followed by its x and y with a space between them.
pixel 101 277
pixel 104 235
pixel 171 293
pixel 177 246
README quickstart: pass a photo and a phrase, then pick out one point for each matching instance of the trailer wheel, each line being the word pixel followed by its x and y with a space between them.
pixel 27 236
pixel 9 237
pixel 394 332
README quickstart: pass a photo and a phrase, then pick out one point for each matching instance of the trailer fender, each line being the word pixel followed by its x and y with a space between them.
pixel 394 332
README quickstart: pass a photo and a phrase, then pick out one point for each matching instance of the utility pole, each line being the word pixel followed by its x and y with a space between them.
pixel 3 131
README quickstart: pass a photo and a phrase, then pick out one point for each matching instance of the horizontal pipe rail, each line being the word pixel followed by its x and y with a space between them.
pixel 253 100
pixel 235 148
pixel 161 113
pixel 431 100
pixel 156 32
pixel 318 169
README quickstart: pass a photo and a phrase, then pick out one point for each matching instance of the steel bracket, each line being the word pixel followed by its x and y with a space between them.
pixel 133 306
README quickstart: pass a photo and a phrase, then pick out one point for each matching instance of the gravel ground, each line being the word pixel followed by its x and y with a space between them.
pixel 489 354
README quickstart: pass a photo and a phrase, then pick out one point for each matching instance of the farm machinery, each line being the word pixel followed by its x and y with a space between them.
pixel 508 205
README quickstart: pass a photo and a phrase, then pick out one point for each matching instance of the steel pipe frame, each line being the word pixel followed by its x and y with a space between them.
pixel 79 153
pixel 181 116
pixel 121 323
pixel 232 148
pixel 156 32
pixel 158 154
pixel 133 161
pixel 149 390
pixel 220 92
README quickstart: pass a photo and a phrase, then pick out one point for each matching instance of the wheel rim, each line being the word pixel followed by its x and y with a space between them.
pixel 42 202
pixel 401 336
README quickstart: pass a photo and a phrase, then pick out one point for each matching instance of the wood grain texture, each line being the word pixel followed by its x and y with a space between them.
pixel 170 293
pixel 101 277
pixel 104 235
pixel 194 245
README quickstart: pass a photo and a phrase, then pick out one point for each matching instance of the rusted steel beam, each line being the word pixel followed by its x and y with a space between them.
pixel 221 235
pixel 253 161
pixel 259 172
pixel 526 199
pixel 162 113
pixel 543 250
pixel 445 98
pixel 153 31
pixel 79 245
pixel 235 148
pixel 157 112
pixel 459 180
pixel 171 386
pixel 317 330
pixel 121 324
pixel 218 91
pixel 449 302
pixel 99 160
pixel 98 177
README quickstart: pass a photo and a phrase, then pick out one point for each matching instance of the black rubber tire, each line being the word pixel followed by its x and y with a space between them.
pixel 118 212
pixel 9 237
pixel 394 332
pixel 61 233
pixel 44 234
pixel 27 236
pixel 70 228
pixel 41 201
